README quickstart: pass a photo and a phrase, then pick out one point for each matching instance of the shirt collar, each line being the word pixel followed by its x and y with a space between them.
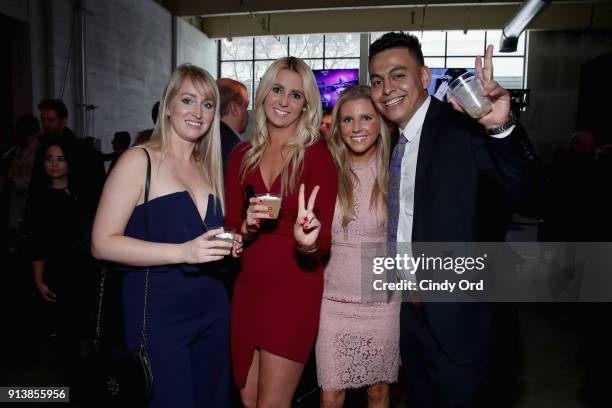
pixel 417 120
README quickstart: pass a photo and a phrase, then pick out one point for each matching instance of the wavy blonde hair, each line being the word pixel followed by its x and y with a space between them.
pixel 307 132
pixel 347 179
pixel 207 152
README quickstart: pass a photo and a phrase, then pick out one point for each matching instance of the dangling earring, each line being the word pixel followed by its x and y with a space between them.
pixel 303 109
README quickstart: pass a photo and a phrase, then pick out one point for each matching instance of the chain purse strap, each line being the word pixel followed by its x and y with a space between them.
pixel 143 329
pixel 98 339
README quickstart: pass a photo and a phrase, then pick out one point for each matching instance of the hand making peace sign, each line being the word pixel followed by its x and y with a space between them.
pixel 500 97
pixel 307 226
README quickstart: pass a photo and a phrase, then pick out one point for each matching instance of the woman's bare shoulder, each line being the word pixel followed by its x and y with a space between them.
pixel 131 166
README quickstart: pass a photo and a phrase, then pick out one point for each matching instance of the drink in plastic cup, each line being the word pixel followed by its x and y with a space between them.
pixel 227 235
pixel 273 201
pixel 467 90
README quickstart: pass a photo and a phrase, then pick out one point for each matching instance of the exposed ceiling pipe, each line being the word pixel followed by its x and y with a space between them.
pixel 82 79
pixel 512 31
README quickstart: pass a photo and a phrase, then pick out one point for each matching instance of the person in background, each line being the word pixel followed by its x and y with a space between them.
pixel 277 295
pixel 572 211
pixel 54 120
pixel 58 226
pixel 20 169
pixel 88 169
pixel 144 136
pixel 173 237
pixel 234 120
pixel 578 210
pixel 326 121
pixel 358 341
pixel 121 142
pixel 234 114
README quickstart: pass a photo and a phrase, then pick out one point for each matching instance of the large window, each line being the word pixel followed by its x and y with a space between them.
pixel 246 59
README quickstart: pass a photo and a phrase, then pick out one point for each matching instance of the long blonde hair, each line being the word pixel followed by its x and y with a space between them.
pixel 307 132
pixel 341 154
pixel 207 152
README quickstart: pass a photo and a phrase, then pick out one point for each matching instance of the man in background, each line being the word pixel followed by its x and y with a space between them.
pixel 144 136
pixel 325 127
pixel 234 114
pixel 121 142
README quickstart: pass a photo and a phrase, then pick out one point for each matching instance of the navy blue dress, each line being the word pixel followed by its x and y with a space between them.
pixel 188 317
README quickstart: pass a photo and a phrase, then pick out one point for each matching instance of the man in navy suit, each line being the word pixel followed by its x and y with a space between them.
pixel 234 114
pixel 455 180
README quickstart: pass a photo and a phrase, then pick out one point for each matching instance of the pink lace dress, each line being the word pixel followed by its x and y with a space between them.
pixel 358 343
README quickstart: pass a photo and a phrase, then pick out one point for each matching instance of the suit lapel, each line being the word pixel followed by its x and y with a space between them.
pixel 429 134
pixel 224 130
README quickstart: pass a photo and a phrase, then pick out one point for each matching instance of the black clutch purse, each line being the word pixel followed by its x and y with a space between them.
pixel 127 376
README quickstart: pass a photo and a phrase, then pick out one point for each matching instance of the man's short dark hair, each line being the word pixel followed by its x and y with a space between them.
pixel 229 90
pixel 123 139
pixel 398 40
pixel 55 104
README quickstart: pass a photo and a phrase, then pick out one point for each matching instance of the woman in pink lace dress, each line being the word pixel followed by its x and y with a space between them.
pixel 358 342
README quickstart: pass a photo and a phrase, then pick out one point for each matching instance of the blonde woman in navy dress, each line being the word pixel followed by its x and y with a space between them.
pixel 188 313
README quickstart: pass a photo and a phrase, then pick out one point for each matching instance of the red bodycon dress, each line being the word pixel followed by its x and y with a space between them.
pixel 277 294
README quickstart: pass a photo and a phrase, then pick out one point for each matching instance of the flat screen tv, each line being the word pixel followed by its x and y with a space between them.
pixel 332 82
pixel 441 79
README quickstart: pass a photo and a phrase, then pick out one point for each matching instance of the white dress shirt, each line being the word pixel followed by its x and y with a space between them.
pixel 412 132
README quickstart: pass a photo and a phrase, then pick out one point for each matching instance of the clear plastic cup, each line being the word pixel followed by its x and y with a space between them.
pixel 273 201
pixel 467 90
pixel 227 235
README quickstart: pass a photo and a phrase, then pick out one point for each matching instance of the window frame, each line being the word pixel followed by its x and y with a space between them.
pixel 359 59
pixel 253 60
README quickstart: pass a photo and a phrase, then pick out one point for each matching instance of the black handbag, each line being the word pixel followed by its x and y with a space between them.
pixel 127 376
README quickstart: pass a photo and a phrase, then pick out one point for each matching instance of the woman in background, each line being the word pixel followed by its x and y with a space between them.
pixel 58 230
pixel 358 341
pixel 277 294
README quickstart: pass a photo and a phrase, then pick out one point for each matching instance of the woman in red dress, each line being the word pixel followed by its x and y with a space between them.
pixel 277 295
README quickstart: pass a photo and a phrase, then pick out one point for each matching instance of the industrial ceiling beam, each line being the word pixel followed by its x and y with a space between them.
pixel 228 7
pixel 559 16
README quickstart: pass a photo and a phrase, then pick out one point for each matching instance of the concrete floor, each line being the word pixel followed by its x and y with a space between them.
pixel 549 372
pixel 548 375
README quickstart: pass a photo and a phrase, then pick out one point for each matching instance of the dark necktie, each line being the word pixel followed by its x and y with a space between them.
pixel 395 177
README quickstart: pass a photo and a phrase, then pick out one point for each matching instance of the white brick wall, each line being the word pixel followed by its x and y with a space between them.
pixel 195 47
pixel 129 46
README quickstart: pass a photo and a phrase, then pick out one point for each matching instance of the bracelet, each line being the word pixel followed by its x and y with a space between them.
pixel 308 251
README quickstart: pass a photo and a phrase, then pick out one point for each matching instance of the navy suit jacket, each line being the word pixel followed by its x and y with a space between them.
pixel 229 140
pixel 467 185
